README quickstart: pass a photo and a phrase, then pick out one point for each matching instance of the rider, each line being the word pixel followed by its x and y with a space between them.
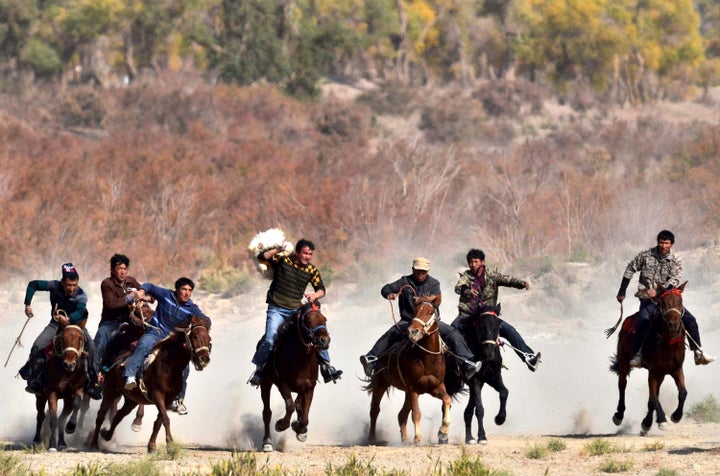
pixel 69 306
pixel 174 309
pixel 478 286
pixel 291 275
pixel 406 289
pixel 658 266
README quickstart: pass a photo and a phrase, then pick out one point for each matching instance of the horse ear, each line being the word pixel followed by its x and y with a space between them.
pixel 436 300
pixel 682 286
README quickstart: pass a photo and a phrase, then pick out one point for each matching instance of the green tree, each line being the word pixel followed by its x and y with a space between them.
pixel 16 19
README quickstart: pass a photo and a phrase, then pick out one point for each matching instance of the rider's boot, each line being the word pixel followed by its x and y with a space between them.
pixel 702 358
pixel 256 377
pixel 471 368
pixel 330 373
pixel 368 362
pixel 533 361
pixel 637 360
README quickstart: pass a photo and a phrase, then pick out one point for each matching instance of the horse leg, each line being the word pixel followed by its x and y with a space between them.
pixel 40 401
pixel 679 377
pixel 623 370
pixel 403 417
pixel 162 420
pixel 108 404
pixel 503 393
pixel 480 414
pixel 68 408
pixel 137 422
pixel 284 423
pixel 653 405
pixel 377 396
pixel 52 407
pixel 266 415
pixel 122 413
pixel 302 408
pixel 468 414
pixel 445 427
pixel 77 404
pixel 417 416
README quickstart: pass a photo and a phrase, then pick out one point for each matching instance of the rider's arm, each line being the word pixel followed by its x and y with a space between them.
pixel 32 287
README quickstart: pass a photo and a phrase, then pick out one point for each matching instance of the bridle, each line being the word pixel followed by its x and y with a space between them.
pixel 496 341
pixel 305 330
pixel 194 352
pixel 426 325
pixel 76 351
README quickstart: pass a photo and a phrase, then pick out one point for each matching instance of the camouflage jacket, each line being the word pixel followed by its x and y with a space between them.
pixel 489 294
pixel 655 270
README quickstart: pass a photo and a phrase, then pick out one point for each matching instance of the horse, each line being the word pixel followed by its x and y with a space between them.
pixel 483 339
pixel 293 368
pixel 665 357
pixel 65 381
pixel 415 366
pixel 161 382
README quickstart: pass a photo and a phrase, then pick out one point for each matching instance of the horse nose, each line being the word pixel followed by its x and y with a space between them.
pixel 414 334
pixel 70 366
pixel 324 342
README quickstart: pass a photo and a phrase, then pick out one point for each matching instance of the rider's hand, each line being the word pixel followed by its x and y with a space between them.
pixel 651 293
pixel 620 298
pixel 62 320
pixel 391 296
pixel 28 311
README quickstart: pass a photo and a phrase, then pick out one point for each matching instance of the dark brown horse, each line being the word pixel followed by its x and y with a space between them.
pixel 293 368
pixel 483 339
pixel 663 355
pixel 162 379
pixel 65 381
pixel 415 366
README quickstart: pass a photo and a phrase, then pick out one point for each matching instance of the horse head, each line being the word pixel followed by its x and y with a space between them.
pixel 425 318
pixel 486 329
pixel 73 345
pixel 198 341
pixel 670 308
pixel 312 326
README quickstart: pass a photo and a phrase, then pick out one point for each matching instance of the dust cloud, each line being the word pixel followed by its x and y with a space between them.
pixel 563 316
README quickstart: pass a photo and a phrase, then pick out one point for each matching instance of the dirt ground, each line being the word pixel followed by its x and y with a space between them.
pixel 686 448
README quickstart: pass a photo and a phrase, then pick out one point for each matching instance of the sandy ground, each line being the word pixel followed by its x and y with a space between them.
pixel 571 397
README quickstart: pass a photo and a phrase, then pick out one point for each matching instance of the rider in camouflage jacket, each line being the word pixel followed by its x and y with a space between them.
pixel 478 286
pixel 658 266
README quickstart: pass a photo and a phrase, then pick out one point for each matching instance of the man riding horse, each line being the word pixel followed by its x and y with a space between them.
pixel 69 306
pixel 659 266
pixel 406 290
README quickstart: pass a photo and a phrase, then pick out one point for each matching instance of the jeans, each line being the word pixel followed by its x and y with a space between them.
pixel 642 322
pixel 102 337
pixel 275 317
pixel 455 341
pixel 507 332
pixel 144 346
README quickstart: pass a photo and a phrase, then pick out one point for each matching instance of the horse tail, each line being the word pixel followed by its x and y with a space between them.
pixel 454 384
pixel 614 366
pixel 374 383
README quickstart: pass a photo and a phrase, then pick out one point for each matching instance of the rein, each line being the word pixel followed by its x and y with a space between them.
pixel 194 351
pixel 310 332
pixel 427 325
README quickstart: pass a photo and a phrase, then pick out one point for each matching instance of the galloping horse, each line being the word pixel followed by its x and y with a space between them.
pixel 163 379
pixel 65 380
pixel 483 338
pixel 664 357
pixel 293 368
pixel 415 366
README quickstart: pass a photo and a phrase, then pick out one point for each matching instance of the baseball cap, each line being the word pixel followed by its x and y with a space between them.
pixel 69 271
pixel 421 264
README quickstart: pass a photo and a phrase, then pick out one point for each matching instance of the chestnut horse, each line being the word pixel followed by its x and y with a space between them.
pixel 65 381
pixel 483 339
pixel 163 380
pixel 664 356
pixel 293 368
pixel 415 366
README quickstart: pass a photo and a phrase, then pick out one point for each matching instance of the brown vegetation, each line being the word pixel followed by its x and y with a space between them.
pixel 180 175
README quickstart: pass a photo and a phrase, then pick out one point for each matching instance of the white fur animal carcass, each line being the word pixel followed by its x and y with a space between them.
pixel 268 239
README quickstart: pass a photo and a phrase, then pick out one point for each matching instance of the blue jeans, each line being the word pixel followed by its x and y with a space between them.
pixel 144 346
pixel 275 317
pixel 102 337
pixel 642 322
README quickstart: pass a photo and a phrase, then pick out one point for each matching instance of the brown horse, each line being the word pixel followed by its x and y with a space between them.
pixel 663 357
pixel 163 380
pixel 65 381
pixel 293 368
pixel 415 366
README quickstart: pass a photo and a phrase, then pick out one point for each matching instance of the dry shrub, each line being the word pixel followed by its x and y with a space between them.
pixel 341 122
pixel 391 99
pixel 513 99
pixel 81 108
pixel 451 117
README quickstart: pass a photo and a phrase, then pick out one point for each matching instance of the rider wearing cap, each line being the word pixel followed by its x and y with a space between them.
pixel 69 306
pixel 406 289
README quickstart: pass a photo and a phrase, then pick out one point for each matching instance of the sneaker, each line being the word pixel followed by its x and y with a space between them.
pixel 533 362
pixel 130 383
pixel 330 373
pixel 636 361
pixel 471 368
pixel 181 408
pixel 368 363
pixel 255 379
pixel 701 358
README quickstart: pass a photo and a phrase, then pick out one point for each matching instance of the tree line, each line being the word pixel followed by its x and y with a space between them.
pixel 626 50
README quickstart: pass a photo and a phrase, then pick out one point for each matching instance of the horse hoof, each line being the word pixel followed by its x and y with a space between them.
pixel 442 439
pixel 499 420
pixel 52 450
pixel 617 420
pixel 483 442
pixel 268 448
pixel 643 432
pixel 105 434
pixel 70 428
pixel 470 441
pixel 675 419
pixel 302 437
pixel 280 426
pixel 662 426
pixel 135 427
